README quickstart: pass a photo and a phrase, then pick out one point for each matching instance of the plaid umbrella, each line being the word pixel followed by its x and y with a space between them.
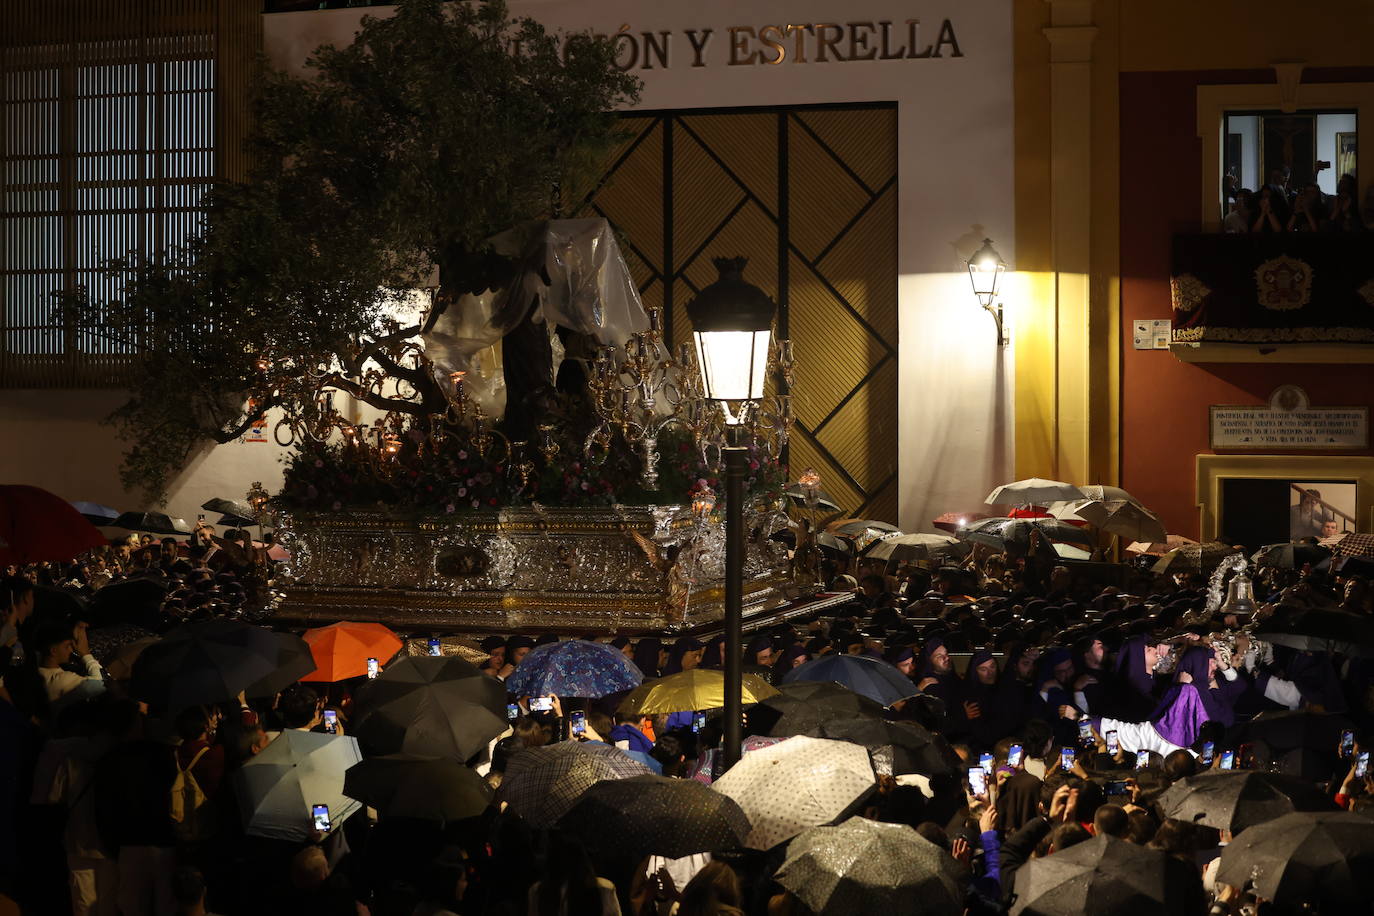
pixel 1236 799
pixel 798 783
pixel 1354 545
pixel 653 815
pixel 913 749
pixel 542 784
pixel 434 707
pixel 870 677
pixel 801 707
pixel 1322 860
pixel 573 668
pixel 277 788
pixel 900 548
pixel 35 525
pixel 864 866
pixel 203 662
pixel 342 649
pixel 1106 876
pixel 429 788
pixel 1199 558
pixel 686 691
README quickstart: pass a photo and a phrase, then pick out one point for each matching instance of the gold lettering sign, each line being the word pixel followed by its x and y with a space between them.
pixel 778 43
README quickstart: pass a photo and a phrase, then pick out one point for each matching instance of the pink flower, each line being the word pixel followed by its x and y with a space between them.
pixel 319 462
pixel 449 508
pixel 476 503
pixel 462 455
pixel 584 485
pixel 462 491
pixel 337 505
pixel 753 465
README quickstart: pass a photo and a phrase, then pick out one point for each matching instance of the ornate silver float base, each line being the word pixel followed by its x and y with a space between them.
pixel 624 569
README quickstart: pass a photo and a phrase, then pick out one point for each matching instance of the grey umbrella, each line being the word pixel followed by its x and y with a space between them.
pixel 1236 799
pixel 1106 876
pixel 542 783
pixel 1323 859
pixel 1001 533
pixel 863 866
pixel 277 788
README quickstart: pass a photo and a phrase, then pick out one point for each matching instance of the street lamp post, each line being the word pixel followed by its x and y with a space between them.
pixel 732 323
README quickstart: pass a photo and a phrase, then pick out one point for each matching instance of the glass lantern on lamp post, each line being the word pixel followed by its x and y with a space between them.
pixel 985 269
pixel 732 323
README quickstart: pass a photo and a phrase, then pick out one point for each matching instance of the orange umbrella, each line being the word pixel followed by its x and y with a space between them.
pixel 341 650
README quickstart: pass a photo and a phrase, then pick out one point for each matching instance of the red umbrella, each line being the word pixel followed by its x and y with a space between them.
pixel 953 521
pixel 1028 512
pixel 35 526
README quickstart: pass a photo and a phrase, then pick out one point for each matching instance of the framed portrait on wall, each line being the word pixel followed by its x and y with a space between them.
pixel 1345 154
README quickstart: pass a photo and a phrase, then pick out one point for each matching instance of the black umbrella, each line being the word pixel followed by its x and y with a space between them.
pixel 137 599
pixel 294 661
pixel 1285 731
pixel 913 748
pixel 58 605
pixel 151 522
pixel 203 662
pixel 95 513
pixel 233 507
pixel 1106 876
pixel 428 788
pixel 1319 630
pixel 801 707
pixel 235 521
pixel 431 706
pixel 1236 799
pixel 653 815
pixel 1324 860
pixel 1291 555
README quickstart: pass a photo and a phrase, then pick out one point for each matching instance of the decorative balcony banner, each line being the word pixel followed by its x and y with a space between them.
pixel 1280 289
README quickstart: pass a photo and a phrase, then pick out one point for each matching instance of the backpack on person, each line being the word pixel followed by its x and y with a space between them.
pixel 190 809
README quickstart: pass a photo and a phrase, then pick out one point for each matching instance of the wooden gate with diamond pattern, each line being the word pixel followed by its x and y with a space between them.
pixel 809 196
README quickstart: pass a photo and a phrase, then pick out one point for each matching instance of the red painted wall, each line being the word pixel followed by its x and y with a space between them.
pixel 1164 401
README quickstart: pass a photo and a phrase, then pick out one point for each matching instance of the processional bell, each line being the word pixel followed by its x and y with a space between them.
pixel 1240 596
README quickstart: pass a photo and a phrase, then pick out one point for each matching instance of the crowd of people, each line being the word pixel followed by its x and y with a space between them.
pixel 1080 703
pixel 1279 205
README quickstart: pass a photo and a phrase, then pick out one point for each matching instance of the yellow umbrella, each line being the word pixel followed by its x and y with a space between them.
pixel 699 688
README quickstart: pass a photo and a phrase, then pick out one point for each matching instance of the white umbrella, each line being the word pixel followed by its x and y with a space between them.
pixel 798 783
pixel 1034 491
pixel 278 787
pixel 1104 493
pixel 1128 519
pixel 1070 552
pixel 918 546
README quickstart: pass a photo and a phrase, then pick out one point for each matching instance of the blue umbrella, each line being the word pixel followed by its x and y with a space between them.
pixel 868 677
pixel 575 668
pixel 95 513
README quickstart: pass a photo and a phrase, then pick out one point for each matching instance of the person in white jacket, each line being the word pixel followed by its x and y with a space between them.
pixel 55 649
